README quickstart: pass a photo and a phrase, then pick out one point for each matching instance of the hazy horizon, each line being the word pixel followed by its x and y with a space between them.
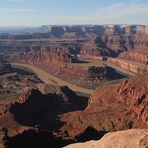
pixel 37 26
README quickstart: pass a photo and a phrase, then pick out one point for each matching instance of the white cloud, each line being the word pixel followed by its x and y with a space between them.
pixel 120 13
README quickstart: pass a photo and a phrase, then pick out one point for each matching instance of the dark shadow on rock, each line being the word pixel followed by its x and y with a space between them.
pixel 22 71
pixel 80 102
pixel 43 110
pixel 39 139
pixel 113 74
pixel 113 54
pixel 74 49
pixel 90 134
pixel 75 60
pixel 33 139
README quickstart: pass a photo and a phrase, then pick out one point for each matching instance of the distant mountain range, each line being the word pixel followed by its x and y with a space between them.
pixel 76 31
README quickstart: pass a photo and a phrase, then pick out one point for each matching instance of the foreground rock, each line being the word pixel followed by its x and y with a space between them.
pixel 135 138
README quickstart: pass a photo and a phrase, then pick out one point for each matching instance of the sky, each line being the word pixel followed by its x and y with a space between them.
pixel 72 12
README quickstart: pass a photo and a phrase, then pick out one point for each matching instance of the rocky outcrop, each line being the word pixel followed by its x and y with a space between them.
pixel 129 65
pixel 112 107
pixel 137 138
pixel 128 93
pixel 135 55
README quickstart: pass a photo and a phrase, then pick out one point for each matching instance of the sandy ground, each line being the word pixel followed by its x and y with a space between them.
pixel 52 80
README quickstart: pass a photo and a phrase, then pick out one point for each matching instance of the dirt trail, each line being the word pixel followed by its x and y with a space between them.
pixel 50 79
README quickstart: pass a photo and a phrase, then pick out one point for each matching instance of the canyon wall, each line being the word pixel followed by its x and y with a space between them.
pixel 128 92
pixel 116 106
pixel 59 63
pixel 87 31
pixel 122 43
pixel 73 31
pixel 113 45
pixel 138 55
pixel 128 65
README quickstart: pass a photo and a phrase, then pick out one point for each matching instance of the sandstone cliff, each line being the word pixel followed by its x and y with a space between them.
pixel 112 107
pixel 135 55
pixel 89 31
pixel 129 65
pixel 128 93
pixel 113 44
